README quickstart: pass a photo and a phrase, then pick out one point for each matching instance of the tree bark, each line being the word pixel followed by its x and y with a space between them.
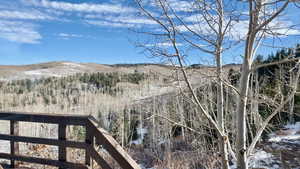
pixel 241 119
pixel 220 112
pixel 291 103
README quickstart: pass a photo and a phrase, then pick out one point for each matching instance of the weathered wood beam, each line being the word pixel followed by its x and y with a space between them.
pixel 43 161
pixel 46 141
pixel 44 118
pixel 102 137
pixel 100 161
pixel 14 147
pixel 62 150
pixel 112 146
pixel 89 140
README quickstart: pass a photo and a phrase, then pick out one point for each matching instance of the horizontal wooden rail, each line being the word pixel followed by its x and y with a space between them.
pixel 101 137
pixel 52 142
pixel 45 118
pixel 42 161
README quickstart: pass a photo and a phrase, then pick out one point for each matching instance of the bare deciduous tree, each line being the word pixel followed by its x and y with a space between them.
pixel 207 30
pixel 206 26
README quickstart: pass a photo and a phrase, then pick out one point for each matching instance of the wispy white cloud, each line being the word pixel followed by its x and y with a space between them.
pixel 80 7
pixel 109 24
pixel 18 31
pixel 113 15
pixel 67 36
pixel 284 27
pixel 176 5
pixel 30 15
pixel 107 14
pixel 279 28
pixel 181 5
pixel 123 19
pixel 17 23
pixel 163 44
pixel 238 30
pixel 119 21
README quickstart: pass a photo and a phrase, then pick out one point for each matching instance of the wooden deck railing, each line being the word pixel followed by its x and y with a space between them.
pixel 93 135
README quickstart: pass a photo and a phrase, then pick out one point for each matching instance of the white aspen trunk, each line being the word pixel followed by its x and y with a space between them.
pixel 210 100
pixel 226 108
pixel 129 132
pixel 291 104
pixel 252 102
pixel 180 105
pixel 123 129
pixel 141 125
pixel 241 119
pixel 256 92
pixel 242 162
pixel 205 99
pixel 241 149
pixel 155 133
pixel 220 112
pixel 223 139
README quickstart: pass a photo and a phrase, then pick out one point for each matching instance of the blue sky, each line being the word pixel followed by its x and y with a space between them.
pixel 34 31
pixel 42 31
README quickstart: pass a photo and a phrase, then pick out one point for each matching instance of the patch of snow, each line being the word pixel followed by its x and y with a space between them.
pixel 160 142
pixel 147 168
pixel 291 136
pixel 69 69
pixel 141 135
pixel 41 72
pixel 143 167
pixel 261 159
pixel 72 64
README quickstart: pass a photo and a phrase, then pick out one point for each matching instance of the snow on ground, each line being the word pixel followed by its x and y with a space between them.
pixel 59 70
pixel 143 167
pixel 67 69
pixel 263 159
pixel 286 141
pixel 291 134
pixel 72 64
pixel 141 135
pixel 41 72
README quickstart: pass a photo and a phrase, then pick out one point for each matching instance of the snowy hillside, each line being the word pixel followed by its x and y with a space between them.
pixel 59 69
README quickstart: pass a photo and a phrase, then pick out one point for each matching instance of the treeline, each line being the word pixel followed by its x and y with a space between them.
pixel 66 91
pixel 85 81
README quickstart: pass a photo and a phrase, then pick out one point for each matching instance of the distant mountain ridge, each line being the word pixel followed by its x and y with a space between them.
pixel 65 68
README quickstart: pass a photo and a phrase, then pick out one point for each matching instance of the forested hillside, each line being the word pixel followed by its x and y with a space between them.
pixel 148 112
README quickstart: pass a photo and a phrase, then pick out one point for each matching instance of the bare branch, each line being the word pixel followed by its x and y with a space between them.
pixel 266 122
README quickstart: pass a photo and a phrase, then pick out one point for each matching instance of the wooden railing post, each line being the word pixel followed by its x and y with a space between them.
pixel 94 135
pixel 62 151
pixel 14 146
pixel 89 139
